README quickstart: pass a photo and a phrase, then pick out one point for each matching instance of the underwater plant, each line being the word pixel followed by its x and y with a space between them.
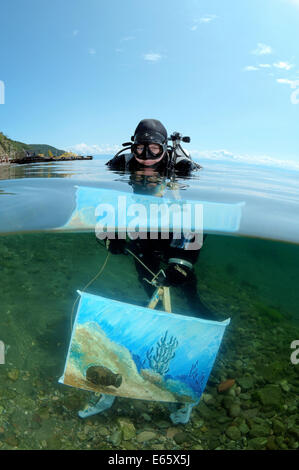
pixel 193 371
pixel 195 376
pixel 163 355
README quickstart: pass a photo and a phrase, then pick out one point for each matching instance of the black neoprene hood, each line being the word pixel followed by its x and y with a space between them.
pixel 150 130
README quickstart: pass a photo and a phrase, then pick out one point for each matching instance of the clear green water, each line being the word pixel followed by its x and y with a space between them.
pixel 253 281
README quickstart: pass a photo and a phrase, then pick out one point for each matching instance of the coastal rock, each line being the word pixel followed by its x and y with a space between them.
pixel 72 403
pixel 82 436
pixel 11 441
pixel 181 437
pixel 250 413
pixel 244 429
pixel 115 437
pixel 294 431
pixel 246 383
pixel 281 443
pixel 13 374
pixel 257 443
pixel 245 396
pixel 232 391
pixel 146 417
pixel 204 410
pixel 285 386
pixel 271 443
pixel 171 432
pixel 145 436
pixel 259 430
pixel 238 364
pixel 162 424
pixel 234 410
pixel 43 413
pixel 228 402
pixel 128 446
pixel 208 399
pixel 103 431
pixel 278 427
pixel 271 396
pixel 226 385
pixel 127 429
pixel 233 433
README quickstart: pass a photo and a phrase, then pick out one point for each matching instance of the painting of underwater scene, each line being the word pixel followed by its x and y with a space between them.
pixel 130 351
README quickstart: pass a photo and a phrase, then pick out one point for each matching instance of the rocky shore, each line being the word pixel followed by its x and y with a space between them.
pixel 26 160
pixel 12 151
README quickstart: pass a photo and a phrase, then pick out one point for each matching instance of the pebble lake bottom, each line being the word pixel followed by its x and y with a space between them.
pixel 252 280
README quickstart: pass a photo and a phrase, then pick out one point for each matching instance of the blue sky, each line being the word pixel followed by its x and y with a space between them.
pixel 81 73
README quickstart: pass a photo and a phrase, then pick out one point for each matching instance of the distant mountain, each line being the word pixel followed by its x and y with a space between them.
pixel 11 149
pixel 43 148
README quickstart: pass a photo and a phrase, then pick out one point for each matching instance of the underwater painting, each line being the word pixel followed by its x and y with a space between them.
pixel 120 210
pixel 136 352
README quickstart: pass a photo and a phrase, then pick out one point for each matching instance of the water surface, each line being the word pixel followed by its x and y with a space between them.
pixel 250 276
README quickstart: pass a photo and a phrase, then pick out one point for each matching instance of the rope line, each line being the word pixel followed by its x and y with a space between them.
pixel 133 254
pixel 87 285
pixel 100 272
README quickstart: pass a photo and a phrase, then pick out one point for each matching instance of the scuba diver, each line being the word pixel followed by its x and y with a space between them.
pixel 151 162
pixel 171 253
pixel 149 149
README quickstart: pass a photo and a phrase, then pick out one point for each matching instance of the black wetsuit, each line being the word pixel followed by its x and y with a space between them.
pixel 152 252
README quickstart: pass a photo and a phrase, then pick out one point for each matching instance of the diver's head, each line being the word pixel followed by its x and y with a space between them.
pixel 149 142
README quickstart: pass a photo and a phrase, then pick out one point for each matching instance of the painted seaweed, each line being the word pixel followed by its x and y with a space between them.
pixel 160 360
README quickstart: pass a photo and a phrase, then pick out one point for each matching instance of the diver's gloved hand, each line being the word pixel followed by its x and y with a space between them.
pixel 177 274
pixel 116 247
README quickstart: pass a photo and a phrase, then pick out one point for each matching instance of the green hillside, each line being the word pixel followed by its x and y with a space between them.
pixel 11 149
pixel 42 148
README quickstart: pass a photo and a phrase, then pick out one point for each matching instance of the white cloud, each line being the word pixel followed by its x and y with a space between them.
pixel 262 49
pixel 203 20
pixel 250 68
pixel 128 38
pixel 207 18
pixel 283 65
pixel 294 84
pixel 152 57
pixel 94 149
pixel 225 155
pixel 92 51
pixel 286 81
